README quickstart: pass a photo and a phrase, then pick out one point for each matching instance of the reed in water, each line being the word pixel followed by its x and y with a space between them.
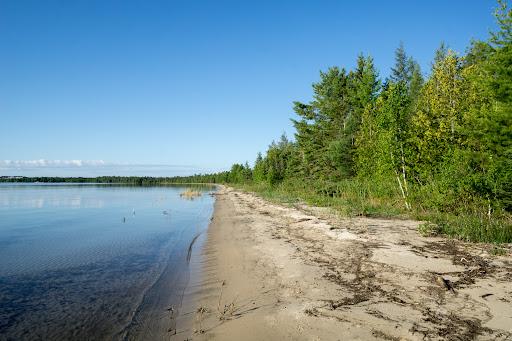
pixel 190 194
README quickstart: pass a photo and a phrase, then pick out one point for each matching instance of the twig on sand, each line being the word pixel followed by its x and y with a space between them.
pixel 200 317
pixel 228 309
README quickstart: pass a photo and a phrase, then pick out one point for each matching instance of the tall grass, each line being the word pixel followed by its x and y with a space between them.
pixel 189 193
pixel 471 227
pixel 354 197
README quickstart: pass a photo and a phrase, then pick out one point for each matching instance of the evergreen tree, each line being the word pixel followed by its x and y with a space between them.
pixel 278 160
pixel 401 72
pixel 488 121
pixel 416 82
pixel 322 123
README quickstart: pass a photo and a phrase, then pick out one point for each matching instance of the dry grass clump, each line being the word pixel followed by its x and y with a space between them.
pixel 200 315
pixel 190 194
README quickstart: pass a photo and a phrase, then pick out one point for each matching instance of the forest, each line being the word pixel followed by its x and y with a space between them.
pixel 435 146
pixel 222 177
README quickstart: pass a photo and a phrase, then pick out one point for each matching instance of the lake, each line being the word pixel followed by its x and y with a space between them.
pixel 94 261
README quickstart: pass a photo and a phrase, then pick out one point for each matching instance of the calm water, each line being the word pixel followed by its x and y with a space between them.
pixel 92 262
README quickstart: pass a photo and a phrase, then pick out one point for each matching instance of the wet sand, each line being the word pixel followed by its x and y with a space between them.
pixel 269 272
pixel 155 315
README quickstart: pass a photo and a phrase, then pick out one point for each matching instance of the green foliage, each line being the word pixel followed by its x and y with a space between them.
pixel 260 169
pixel 404 66
pixel 475 228
pixel 498 251
pixel 327 126
pixel 321 122
pixel 240 173
pixel 429 229
pixel 437 147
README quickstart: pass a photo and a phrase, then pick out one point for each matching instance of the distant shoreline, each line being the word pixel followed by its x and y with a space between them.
pixel 136 180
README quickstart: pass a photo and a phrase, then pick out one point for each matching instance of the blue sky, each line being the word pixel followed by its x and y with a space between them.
pixel 178 87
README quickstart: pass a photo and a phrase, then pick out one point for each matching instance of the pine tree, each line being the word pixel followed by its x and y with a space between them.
pixel 416 82
pixel 401 72
pixel 488 121
pixel 322 123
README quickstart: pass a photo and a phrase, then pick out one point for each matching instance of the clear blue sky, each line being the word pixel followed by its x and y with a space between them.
pixel 176 87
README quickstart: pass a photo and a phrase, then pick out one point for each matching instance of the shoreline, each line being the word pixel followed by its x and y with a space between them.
pixel 270 272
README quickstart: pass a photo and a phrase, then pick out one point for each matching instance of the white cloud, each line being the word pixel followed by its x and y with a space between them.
pixel 44 167
pixel 42 163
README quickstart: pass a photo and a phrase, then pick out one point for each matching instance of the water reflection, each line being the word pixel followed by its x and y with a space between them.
pixel 70 268
pixel 41 202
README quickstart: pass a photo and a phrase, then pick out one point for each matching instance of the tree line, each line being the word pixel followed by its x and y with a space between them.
pixel 437 143
pixel 222 177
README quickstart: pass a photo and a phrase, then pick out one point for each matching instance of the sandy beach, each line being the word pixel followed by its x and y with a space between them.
pixel 270 272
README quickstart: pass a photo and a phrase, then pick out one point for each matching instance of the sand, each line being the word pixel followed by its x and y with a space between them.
pixel 271 272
